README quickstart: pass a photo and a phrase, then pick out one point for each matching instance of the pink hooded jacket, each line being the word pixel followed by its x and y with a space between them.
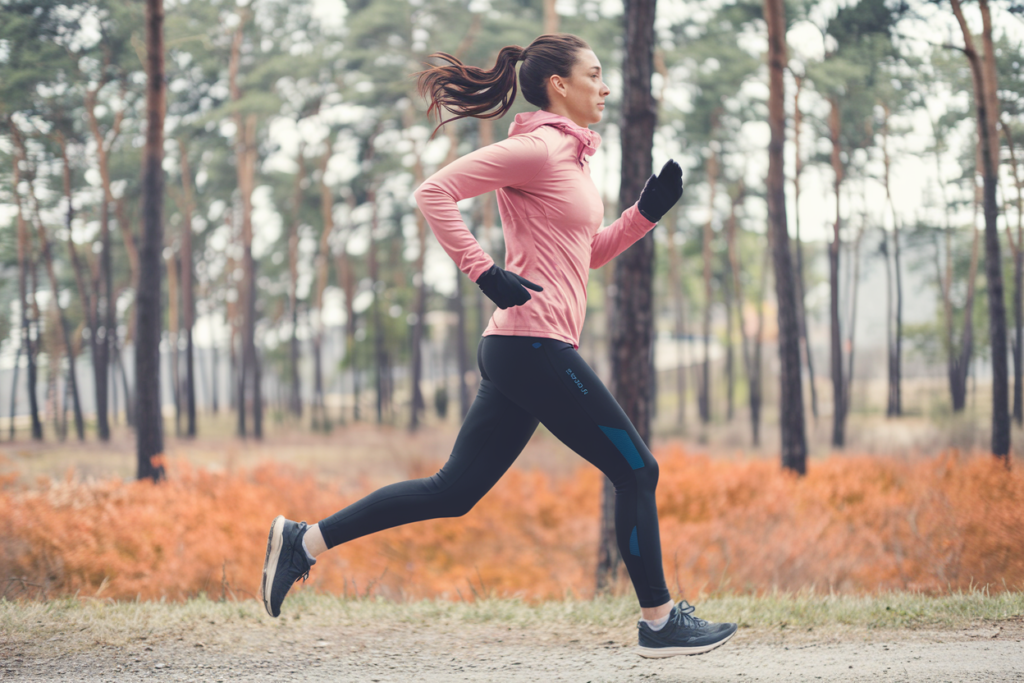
pixel 551 215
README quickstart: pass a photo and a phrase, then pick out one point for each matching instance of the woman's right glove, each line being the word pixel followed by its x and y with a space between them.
pixel 661 192
pixel 506 289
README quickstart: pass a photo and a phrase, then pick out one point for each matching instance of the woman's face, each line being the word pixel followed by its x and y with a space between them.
pixel 581 96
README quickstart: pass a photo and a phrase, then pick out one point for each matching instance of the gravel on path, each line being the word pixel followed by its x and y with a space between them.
pixel 311 650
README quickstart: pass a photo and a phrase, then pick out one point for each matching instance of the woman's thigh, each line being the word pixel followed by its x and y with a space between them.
pixel 549 379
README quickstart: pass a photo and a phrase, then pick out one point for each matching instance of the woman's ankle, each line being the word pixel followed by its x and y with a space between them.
pixel 656 613
pixel 313 541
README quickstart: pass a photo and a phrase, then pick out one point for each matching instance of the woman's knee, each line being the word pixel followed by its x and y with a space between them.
pixel 450 500
pixel 647 476
pixel 457 506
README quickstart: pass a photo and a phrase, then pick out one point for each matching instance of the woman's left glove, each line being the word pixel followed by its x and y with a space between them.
pixel 505 288
pixel 661 192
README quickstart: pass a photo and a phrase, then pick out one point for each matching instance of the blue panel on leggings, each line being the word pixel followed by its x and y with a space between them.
pixel 634 545
pixel 536 345
pixel 621 439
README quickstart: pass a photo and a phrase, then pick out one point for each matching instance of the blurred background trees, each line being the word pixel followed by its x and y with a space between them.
pixel 843 190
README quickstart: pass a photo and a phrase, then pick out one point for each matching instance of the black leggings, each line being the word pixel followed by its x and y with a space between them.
pixel 526 380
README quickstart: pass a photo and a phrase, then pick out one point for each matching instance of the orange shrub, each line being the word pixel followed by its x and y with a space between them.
pixel 854 524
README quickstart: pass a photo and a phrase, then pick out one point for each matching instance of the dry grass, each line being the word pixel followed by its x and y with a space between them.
pixel 854 525
pixel 117 623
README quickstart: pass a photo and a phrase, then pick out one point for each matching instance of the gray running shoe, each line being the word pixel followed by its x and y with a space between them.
pixel 684 634
pixel 286 562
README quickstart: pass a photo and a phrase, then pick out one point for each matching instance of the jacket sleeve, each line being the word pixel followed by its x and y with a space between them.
pixel 512 162
pixel 619 236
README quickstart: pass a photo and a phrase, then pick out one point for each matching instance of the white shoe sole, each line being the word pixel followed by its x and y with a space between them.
pixel 274 542
pixel 661 652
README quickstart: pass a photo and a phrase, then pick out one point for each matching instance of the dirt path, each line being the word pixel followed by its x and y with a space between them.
pixel 312 650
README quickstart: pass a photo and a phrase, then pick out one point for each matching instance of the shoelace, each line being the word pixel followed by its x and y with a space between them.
pixel 683 616
pixel 302 556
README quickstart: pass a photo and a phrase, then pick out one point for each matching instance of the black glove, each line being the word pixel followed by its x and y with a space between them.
pixel 661 192
pixel 504 288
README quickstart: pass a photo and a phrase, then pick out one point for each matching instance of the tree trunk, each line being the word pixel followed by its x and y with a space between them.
pixel 894 289
pixel 1017 251
pixel 65 328
pixel 420 311
pixel 173 317
pixel 14 394
pixel 214 384
pixel 187 295
pixel 838 392
pixel 705 377
pixel 294 390
pixel 983 75
pixel 751 357
pixel 248 375
pixel 150 442
pixel 246 157
pixel 794 439
pixel 24 264
pixel 105 304
pixel 852 318
pixel 320 419
pixel 380 351
pixel 632 333
pixel 962 361
pixel 805 339
pixel 347 281
pixel 730 370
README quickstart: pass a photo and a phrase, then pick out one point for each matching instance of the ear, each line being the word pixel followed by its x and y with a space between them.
pixel 557 83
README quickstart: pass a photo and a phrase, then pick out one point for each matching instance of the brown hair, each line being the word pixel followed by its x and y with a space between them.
pixel 471 91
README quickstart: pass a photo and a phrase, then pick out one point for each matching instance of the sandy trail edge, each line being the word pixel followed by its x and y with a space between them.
pixel 311 650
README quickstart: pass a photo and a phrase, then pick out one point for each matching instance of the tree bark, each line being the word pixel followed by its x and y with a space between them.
pixel 150 442
pixel 705 377
pixel 800 287
pixel 894 299
pixel 24 264
pixel 632 333
pixel 173 318
pixel 380 361
pixel 852 318
pixel 838 392
pixel 794 440
pixel 105 303
pixel 245 155
pixel 187 294
pixel 65 329
pixel 14 394
pixel 1017 250
pixel 550 17
pixel 320 419
pixel 751 357
pixel 983 75
pixel 294 390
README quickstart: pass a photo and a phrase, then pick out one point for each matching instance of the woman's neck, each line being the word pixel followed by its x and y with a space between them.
pixel 561 110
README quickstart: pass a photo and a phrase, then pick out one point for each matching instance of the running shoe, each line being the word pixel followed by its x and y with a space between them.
pixel 286 562
pixel 684 634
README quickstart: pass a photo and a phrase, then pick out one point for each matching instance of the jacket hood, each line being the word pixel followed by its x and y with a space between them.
pixel 588 140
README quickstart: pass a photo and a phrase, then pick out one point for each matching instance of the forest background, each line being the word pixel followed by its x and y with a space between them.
pixel 315 341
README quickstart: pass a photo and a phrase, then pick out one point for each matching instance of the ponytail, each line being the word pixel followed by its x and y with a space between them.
pixel 470 91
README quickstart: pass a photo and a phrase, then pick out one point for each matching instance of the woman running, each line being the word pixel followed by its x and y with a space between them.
pixel 551 215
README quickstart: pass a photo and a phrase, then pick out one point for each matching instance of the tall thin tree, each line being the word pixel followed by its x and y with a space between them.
pixel 791 404
pixel 632 334
pixel 149 427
